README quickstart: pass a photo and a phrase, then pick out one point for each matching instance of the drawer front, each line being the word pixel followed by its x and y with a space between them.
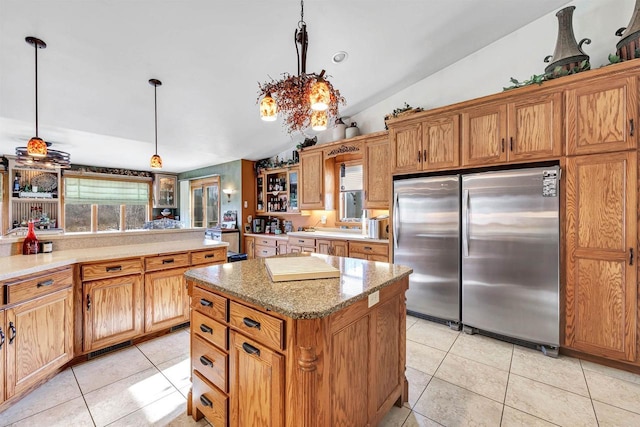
pixel 210 362
pixel 105 270
pixel 297 241
pixel 210 330
pixel 265 251
pixel 166 261
pixel 210 304
pixel 380 258
pixel 209 400
pixel 260 326
pixel 23 290
pixel 368 248
pixel 209 256
pixel 266 242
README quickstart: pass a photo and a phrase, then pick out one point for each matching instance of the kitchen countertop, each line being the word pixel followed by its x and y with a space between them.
pixel 300 299
pixel 19 265
pixel 323 234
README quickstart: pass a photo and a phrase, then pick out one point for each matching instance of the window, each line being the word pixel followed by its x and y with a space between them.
pixel 105 204
pixel 351 192
pixel 205 202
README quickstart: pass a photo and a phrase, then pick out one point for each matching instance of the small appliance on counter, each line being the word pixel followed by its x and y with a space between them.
pixel 257 225
pixel 229 235
pixel 379 227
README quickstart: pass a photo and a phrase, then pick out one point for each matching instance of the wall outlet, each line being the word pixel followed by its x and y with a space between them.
pixel 323 219
pixel 246 204
pixel 374 298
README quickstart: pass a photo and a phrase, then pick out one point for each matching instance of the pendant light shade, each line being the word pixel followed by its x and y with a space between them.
pixel 156 161
pixel 36 147
pixel 319 96
pixel 268 108
pixel 319 120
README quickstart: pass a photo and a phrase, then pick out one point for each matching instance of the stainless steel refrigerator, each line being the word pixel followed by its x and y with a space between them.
pixel 485 250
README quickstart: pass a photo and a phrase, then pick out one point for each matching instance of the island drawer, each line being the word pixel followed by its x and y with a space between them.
pixel 210 401
pixel 265 251
pixel 260 326
pixel 209 329
pixel 35 286
pixel 297 241
pixel 104 270
pixel 266 241
pixel 210 362
pixel 209 256
pixel 209 303
pixel 163 262
pixel 368 248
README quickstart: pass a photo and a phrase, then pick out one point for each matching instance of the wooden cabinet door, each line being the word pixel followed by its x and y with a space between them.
pixel 406 148
pixel 112 311
pixel 377 179
pixel 601 291
pixel 3 346
pixel 484 135
pixel 249 246
pixel 535 127
pixel 39 339
pixel 441 142
pixel 602 116
pixel 166 302
pixel 339 248
pixel 256 383
pixel 311 180
pixel 323 246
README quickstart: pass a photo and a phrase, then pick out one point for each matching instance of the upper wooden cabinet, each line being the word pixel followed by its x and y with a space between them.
pixel 430 144
pixel 601 284
pixel 526 128
pixel 601 115
pixel 377 180
pixel 312 180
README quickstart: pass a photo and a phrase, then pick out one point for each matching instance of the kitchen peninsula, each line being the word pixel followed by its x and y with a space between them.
pixel 318 352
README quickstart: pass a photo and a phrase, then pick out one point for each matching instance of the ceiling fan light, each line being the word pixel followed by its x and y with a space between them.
pixel 36 147
pixel 268 109
pixel 319 96
pixel 319 120
pixel 156 162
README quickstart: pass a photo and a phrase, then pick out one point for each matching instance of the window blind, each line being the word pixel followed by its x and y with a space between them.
pixel 352 179
pixel 105 192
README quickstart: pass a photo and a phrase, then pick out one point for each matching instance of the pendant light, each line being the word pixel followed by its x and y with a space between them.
pixel 156 161
pixel 268 108
pixel 319 120
pixel 37 153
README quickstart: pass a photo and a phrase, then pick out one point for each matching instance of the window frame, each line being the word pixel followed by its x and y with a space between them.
pixel 203 183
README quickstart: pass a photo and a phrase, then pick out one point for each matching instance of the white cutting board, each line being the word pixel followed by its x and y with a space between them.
pixel 299 268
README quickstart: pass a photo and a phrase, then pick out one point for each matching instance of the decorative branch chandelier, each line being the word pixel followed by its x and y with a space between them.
pixel 156 161
pixel 37 151
pixel 305 100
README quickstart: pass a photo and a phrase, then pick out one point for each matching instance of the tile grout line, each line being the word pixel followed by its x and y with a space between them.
pixel 506 389
pixel 75 377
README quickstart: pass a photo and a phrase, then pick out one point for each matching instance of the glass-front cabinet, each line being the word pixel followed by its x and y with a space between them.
pixel 293 191
pixel 277 191
pixel 165 191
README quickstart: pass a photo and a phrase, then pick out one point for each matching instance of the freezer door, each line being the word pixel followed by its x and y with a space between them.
pixel 426 214
pixel 510 254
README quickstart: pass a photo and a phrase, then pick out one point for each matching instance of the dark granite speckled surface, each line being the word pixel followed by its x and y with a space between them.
pixel 299 299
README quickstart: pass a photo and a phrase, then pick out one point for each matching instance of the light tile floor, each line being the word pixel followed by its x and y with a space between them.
pixel 454 380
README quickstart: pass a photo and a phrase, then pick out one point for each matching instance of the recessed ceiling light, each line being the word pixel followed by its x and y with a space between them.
pixel 339 57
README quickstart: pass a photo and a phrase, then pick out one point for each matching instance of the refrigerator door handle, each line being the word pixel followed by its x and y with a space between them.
pixel 396 214
pixel 465 239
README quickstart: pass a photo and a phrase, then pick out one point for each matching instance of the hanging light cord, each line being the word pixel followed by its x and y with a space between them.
pixel 35 47
pixel 155 109
pixel 301 37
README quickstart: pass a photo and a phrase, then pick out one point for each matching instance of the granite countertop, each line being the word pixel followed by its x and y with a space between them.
pixel 19 265
pixel 300 299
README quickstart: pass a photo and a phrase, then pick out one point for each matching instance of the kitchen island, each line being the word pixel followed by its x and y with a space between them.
pixel 321 352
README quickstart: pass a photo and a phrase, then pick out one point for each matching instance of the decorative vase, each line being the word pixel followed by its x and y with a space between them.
pixel 339 130
pixel 30 244
pixel 630 42
pixel 568 54
pixel 352 131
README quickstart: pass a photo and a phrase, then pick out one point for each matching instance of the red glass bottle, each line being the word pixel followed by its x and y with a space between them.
pixel 30 244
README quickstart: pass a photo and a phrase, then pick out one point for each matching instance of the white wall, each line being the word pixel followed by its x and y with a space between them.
pixel 518 55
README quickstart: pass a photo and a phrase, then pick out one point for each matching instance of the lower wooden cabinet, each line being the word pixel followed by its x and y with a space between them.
pixel 369 251
pixel 255 370
pixel 3 336
pixel 250 246
pixel 113 311
pixel 166 302
pixel 601 285
pixel 38 340
pixel 332 247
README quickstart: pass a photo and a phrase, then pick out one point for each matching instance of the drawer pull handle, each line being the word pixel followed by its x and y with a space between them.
pixel 300 241
pixel 503 145
pixel 631 127
pixel 630 256
pixel 167 261
pixel 250 349
pixel 1 338
pixel 251 323
pixel 205 303
pixel 207 330
pixel 511 144
pixel 206 362
pixel 13 333
pixel 114 268
pixel 205 401
pixel 368 248
pixel 209 255
pixel 88 302
pixel 45 283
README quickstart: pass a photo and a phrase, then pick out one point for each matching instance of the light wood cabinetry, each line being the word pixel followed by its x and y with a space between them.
pixel 250 246
pixel 429 144
pixel 602 116
pixel 266 246
pixel 208 257
pixel 601 291
pixel 523 129
pixel 38 330
pixel 166 302
pixel 332 247
pixel 301 244
pixel 312 189
pixel 376 173
pixel 369 251
pixel 3 346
